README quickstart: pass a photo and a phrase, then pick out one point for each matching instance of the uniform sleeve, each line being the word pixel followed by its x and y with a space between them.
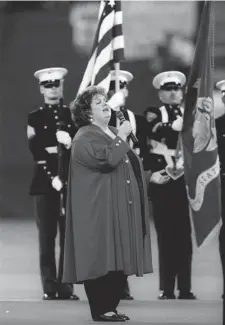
pixel 150 160
pixel 95 155
pixel 40 155
pixel 69 124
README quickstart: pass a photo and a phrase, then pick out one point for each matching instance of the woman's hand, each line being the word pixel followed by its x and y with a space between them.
pixel 124 130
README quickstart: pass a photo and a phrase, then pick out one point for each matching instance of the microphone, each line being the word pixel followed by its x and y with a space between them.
pixel 117 100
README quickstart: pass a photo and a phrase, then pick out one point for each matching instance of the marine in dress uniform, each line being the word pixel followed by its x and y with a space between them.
pixel 44 139
pixel 220 127
pixel 137 122
pixel 167 191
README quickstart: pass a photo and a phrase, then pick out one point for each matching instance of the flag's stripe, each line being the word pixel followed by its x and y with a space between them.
pixel 106 40
pixel 118 48
pixel 118 55
pixel 106 25
pixel 103 58
pixel 102 73
pixel 118 18
pixel 118 42
pixel 105 82
pixel 101 10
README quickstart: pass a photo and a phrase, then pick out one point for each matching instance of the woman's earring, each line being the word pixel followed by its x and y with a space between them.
pixel 91 119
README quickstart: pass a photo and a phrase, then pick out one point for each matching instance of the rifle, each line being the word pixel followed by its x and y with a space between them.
pixel 61 161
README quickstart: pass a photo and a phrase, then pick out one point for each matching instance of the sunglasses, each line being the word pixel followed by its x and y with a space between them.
pixel 54 84
pixel 169 88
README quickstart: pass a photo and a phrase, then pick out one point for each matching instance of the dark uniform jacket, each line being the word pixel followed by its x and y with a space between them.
pixel 160 130
pixel 140 126
pixel 43 124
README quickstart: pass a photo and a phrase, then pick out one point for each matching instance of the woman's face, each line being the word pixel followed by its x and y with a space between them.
pixel 101 112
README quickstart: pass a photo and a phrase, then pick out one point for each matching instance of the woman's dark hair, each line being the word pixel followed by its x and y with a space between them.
pixel 81 107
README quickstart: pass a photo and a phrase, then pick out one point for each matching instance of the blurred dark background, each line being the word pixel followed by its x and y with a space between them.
pixel 36 35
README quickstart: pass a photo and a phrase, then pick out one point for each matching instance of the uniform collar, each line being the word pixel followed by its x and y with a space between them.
pixel 51 106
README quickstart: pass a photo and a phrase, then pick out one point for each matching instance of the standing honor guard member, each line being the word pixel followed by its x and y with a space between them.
pixel 167 188
pixel 138 122
pixel 220 127
pixel 50 131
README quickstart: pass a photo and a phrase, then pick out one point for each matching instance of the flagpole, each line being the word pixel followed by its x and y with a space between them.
pixel 117 71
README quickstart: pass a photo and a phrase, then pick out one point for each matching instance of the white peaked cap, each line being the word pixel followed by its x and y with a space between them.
pixel 221 85
pixel 50 74
pixel 124 76
pixel 163 78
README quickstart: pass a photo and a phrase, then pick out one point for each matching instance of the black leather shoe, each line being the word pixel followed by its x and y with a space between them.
pixel 49 296
pixel 71 297
pixel 122 315
pixel 127 296
pixel 113 318
pixel 187 296
pixel 166 296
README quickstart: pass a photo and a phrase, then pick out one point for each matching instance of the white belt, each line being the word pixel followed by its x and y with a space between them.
pixel 41 162
pixel 52 149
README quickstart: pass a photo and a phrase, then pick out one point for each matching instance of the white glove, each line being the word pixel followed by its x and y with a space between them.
pixel 117 100
pixel 57 183
pixel 178 124
pixel 64 138
pixel 158 178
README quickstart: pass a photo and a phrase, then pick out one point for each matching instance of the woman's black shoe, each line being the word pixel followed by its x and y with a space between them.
pixel 122 315
pixel 112 318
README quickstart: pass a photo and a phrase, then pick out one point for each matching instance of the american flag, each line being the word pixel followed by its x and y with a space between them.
pixel 108 47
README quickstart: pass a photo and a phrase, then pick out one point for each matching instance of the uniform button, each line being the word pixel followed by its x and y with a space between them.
pixel 44 167
pixel 128 181
pixel 119 141
pixel 41 108
pixel 50 106
pixel 117 144
pixel 126 161
pixel 45 127
pixel 55 111
pixel 223 135
pixel 48 173
pixel 130 202
pixel 159 159
pixel 56 117
pixel 69 125
pixel 57 123
pixel 52 177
